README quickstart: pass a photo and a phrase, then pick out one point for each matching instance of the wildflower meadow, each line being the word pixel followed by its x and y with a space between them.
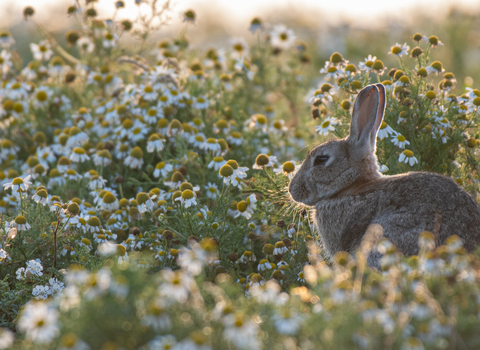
pixel 145 200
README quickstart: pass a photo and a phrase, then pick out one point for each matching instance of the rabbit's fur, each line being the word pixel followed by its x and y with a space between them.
pixel 349 193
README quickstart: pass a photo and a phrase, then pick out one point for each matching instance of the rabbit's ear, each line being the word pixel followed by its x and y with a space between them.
pixel 382 102
pixel 367 117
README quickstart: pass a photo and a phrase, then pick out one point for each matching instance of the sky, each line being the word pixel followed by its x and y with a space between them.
pixel 365 12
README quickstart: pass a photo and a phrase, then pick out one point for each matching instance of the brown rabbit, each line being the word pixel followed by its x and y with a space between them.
pixel 340 178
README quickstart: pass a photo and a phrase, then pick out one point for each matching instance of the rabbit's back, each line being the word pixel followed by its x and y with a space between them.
pixel 427 202
pixel 404 205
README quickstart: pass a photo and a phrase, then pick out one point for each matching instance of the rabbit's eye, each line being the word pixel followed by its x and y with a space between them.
pixel 319 160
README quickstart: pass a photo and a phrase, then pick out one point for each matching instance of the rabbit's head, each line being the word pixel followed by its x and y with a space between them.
pixel 342 165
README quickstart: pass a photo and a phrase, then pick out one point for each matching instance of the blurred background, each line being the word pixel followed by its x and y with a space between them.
pixel 353 28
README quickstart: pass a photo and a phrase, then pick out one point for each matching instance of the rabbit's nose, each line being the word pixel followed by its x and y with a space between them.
pixel 298 190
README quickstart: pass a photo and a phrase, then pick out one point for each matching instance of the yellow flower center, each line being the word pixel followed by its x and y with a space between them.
pixel 288 167
pixel 396 50
pixel 188 194
pixel 242 206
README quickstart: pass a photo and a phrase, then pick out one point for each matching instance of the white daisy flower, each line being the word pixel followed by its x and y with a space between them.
pixel 162 169
pixel 332 70
pixel 212 190
pixel 281 37
pixel 18 184
pixel 155 143
pixel 135 159
pixel 41 51
pixel 188 198
pixel 240 47
pixel 400 141
pixel 264 264
pixel 85 45
pixel 327 126
pixel 399 50
pixel 79 155
pixel 216 163
pixel 367 64
pixel 385 130
pixel 407 157
pixel 39 322
pixel 235 138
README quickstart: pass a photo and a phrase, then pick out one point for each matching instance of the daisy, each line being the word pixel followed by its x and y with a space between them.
pixel 17 91
pixel 76 137
pixel 163 126
pixel 407 157
pixel 152 115
pixel 20 222
pixel 280 248
pixel 162 169
pixel 39 322
pixel 72 175
pixel 255 25
pixel 212 190
pixel 109 40
pixel 221 126
pixel 241 332
pixel 264 264
pixel 399 50
pixel 188 198
pixel 212 145
pixel 400 141
pixel 109 202
pixel 383 168
pixel 436 67
pixel 42 96
pixel 93 225
pixel 70 341
pixel 96 183
pixel 161 342
pixel 327 126
pixel 332 70
pixel 41 51
pixel 258 122
pixel 216 163
pixel 201 102
pixel 198 140
pixel 281 37
pixel 385 130
pixel 240 47
pixel 264 161
pixel 175 287
pixel 278 127
pixel 301 277
pixel 287 322
pixel 79 155
pixel 155 143
pixel 235 138
pixel 3 255
pixel 243 66
pixel 102 158
pixel 18 184
pixel 173 95
pixel 138 131
pixel 85 45
pixel 135 159
pixel 144 202
pixel 6 40
pixel 288 169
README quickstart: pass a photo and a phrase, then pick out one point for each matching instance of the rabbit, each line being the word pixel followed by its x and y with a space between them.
pixel 340 178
